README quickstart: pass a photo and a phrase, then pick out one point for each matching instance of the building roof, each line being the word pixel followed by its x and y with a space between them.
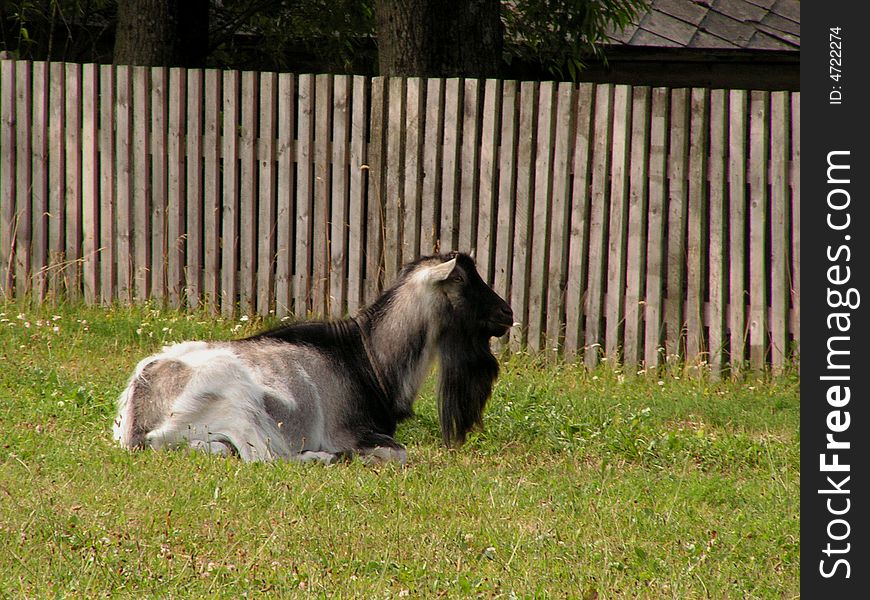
pixel 716 25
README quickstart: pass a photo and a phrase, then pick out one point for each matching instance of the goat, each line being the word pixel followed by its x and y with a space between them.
pixel 326 390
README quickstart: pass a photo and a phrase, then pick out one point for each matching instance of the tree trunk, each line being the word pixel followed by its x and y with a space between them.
pixel 433 38
pixel 161 33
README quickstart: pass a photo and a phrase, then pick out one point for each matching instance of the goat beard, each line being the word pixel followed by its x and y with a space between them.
pixel 467 372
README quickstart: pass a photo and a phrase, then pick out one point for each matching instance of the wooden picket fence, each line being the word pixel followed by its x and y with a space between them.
pixel 631 222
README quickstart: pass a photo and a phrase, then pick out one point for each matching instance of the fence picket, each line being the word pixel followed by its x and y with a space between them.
pixel 450 164
pixel 338 234
pixel 779 226
pixel 413 184
pixel 697 211
pixel 39 179
pixel 230 194
pixel 375 205
pixel 248 238
pixel 523 212
pixel 90 184
pixel 637 227
pixel 7 176
pixel 758 275
pixel 124 182
pixel 603 135
pixel 285 201
pixel 304 192
pixel 656 214
pixel 107 199
pixel 486 193
pixel 718 273
pixel 614 300
pixel 737 132
pixel 176 213
pixel 56 177
pixel 212 171
pixel 469 168
pixel 195 151
pixel 678 157
pixel 356 209
pixel 560 218
pixel 540 215
pixel 22 221
pixel 267 197
pixel 394 190
pixel 159 179
pixel 430 219
pixel 578 236
pixel 73 184
pixel 508 136
pixel 320 212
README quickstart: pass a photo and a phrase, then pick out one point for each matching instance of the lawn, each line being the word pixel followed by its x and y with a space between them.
pixel 583 485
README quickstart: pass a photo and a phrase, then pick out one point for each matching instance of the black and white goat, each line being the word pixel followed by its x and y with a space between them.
pixel 322 390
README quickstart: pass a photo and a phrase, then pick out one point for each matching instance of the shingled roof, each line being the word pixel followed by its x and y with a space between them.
pixel 717 25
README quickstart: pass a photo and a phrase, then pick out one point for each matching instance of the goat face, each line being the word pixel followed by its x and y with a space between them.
pixel 473 303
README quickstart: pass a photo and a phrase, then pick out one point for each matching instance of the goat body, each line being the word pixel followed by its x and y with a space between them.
pixel 322 390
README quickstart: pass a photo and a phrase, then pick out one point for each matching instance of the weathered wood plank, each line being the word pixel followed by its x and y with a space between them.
pixel 487 192
pixel 523 213
pixel 248 238
pixel 717 249
pixel 560 218
pixel 507 179
pixel 23 182
pixel 678 157
pixel 267 202
pixel 322 173
pixel 450 165
pixel 637 228
pixel 656 213
pixel 540 214
pixel 73 180
pixel 779 242
pixel 176 209
pixel 356 208
pixel 7 177
pixel 469 168
pixel 90 182
pixel 338 234
pixel 795 180
pixel 578 235
pixel 697 211
pixel 286 208
pixel 374 257
pixel 212 195
pixel 159 180
pixel 737 135
pixel 39 192
pixel 758 260
pixel 304 195
pixel 594 309
pixel 614 300
pixel 195 198
pixel 430 219
pixel 394 190
pixel 124 181
pixel 107 200
pixel 230 195
pixel 413 174
pixel 56 178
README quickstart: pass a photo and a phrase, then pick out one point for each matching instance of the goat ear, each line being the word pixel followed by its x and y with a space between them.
pixel 440 272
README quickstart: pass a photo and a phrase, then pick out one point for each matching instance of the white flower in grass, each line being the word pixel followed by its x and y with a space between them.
pixel 243 318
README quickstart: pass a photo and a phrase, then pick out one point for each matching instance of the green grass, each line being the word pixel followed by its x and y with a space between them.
pixel 583 485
